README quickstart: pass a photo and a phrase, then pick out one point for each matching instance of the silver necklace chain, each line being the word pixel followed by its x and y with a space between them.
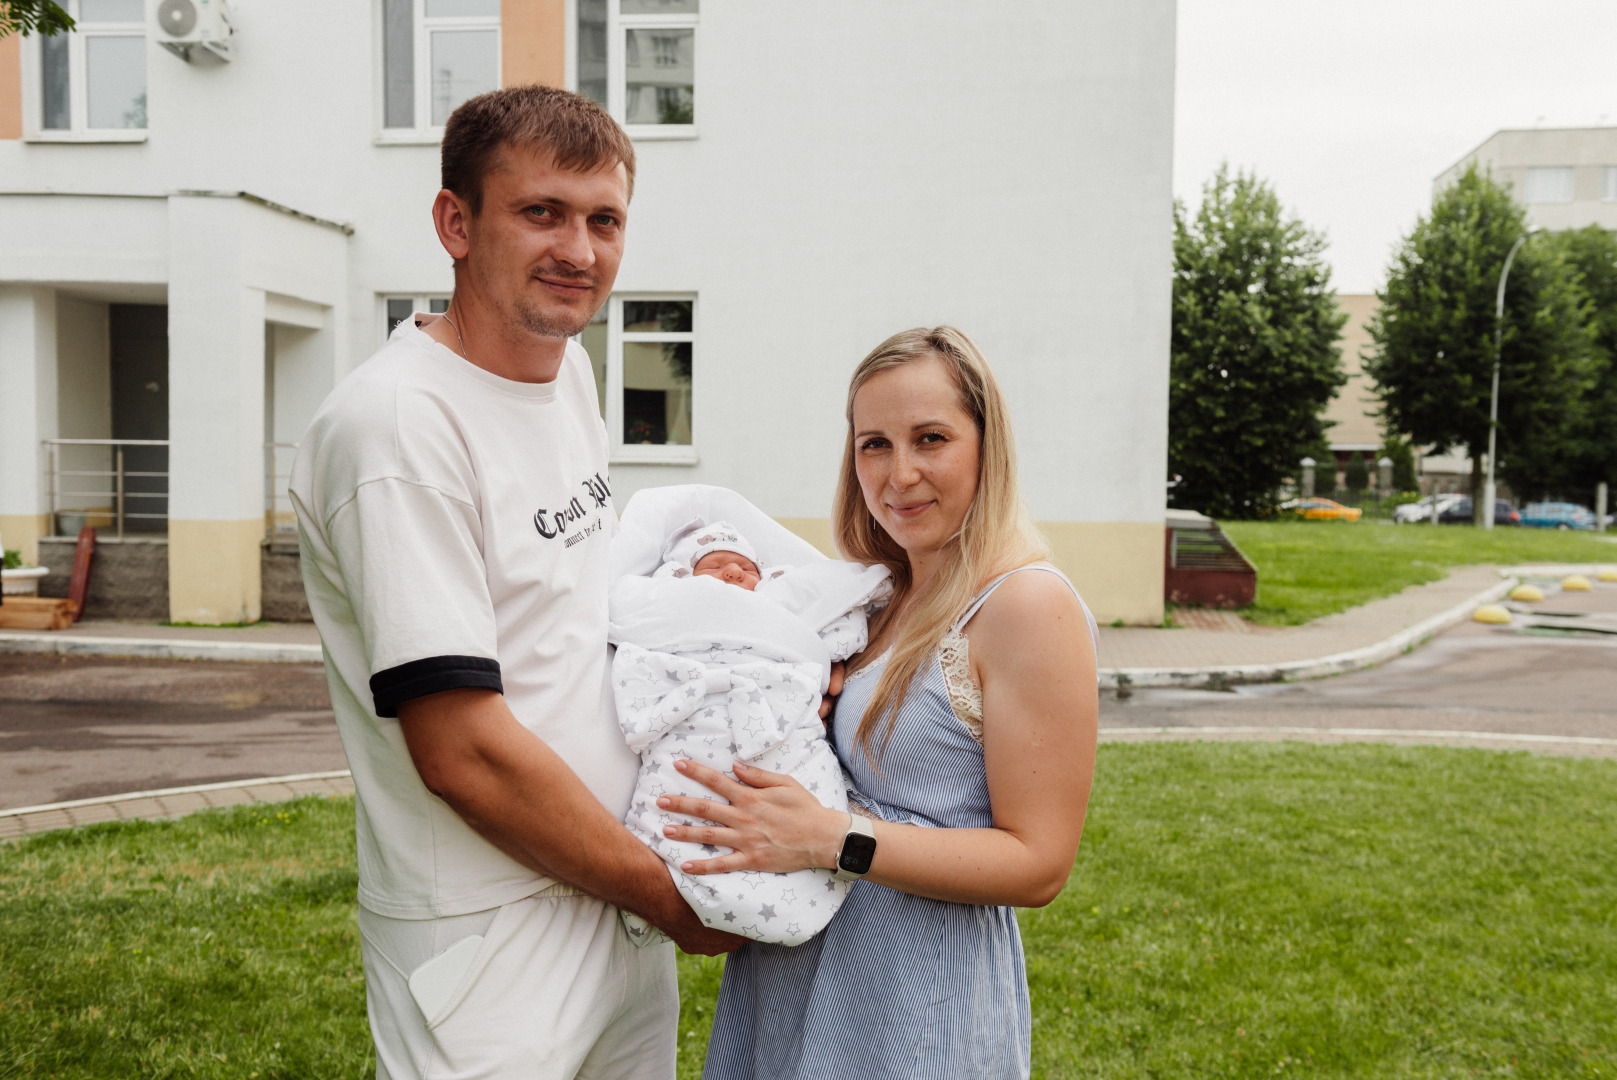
pixel 458 338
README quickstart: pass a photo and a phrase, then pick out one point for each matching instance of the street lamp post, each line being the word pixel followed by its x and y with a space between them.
pixel 1493 400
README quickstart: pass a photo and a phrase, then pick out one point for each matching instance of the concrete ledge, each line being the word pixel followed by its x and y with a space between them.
pixel 169 802
pixel 160 648
pixel 1318 667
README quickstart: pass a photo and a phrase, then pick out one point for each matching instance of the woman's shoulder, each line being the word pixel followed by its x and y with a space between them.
pixel 1029 591
pixel 1035 603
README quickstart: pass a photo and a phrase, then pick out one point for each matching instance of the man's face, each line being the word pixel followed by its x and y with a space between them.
pixel 545 248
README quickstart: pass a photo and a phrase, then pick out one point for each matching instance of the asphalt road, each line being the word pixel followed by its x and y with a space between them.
pixel 1490 680
pixel 78 728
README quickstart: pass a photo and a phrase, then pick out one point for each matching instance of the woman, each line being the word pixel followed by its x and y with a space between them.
pixel 968 726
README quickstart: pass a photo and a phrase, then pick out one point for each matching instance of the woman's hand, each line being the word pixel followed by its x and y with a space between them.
pixel 771 822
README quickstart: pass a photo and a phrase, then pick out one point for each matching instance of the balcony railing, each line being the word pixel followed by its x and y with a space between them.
pixel 120 484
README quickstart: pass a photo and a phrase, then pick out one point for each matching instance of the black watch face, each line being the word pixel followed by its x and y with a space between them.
pixel 857 851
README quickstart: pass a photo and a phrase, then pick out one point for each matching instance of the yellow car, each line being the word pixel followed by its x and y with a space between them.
pixel 1322 510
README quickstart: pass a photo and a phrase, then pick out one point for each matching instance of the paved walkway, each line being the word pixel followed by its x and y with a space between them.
pixel 1134 647
pixel 1215 640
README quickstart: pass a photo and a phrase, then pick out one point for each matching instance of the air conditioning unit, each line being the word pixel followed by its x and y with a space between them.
pixel 190 28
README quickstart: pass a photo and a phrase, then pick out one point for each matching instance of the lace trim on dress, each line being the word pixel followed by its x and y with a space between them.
pixel 965 696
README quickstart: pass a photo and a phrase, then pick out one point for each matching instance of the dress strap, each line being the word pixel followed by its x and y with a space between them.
pixel 982 598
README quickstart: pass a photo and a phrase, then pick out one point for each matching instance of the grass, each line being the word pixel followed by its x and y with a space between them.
pixel 1237 910
pixel 1307 569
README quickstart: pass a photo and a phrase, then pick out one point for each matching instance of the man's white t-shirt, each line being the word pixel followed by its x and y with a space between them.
pixel 455 529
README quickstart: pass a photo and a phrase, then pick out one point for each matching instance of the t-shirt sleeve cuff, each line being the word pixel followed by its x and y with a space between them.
pixel 418 678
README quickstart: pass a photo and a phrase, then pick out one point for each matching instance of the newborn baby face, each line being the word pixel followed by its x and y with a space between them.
pixel 731 567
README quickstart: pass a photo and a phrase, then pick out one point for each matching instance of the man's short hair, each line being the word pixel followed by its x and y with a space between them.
pixel 578 133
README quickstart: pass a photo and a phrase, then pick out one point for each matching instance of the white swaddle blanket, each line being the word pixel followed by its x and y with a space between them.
pixel 712 672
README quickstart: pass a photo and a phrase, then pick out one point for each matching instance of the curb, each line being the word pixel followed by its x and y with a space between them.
pixel 159 793
pixel 167 803
pixel 162 648
pixel 1361 733
pixel 1110 678
pixel 1216 677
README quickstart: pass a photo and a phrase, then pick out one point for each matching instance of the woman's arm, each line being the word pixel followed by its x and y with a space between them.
pixel 1032 654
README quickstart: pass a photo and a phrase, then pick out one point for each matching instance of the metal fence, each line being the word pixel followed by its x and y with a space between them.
pixel 120 484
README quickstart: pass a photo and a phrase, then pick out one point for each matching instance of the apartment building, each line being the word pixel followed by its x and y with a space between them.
pixel 211 212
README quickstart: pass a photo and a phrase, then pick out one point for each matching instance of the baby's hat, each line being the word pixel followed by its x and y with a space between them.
pixel 687 546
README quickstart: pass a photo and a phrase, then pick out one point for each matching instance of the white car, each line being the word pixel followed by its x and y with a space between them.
pixel 1422 511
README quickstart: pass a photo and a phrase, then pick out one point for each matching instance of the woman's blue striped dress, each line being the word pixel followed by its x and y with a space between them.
pixel 897 987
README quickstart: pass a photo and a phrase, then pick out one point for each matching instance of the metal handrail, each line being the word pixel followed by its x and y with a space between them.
pixel 120 496
pixel 275 489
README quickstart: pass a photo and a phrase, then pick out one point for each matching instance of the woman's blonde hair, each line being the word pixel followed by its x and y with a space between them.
pixel 996 535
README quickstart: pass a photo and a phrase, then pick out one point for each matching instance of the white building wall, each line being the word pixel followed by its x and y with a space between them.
pixel 859 169
pixel 28 413
pixel 84 368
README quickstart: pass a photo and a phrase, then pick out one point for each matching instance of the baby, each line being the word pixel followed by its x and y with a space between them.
pixel 719 659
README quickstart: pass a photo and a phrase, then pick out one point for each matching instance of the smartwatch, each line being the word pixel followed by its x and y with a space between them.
pixel 858 848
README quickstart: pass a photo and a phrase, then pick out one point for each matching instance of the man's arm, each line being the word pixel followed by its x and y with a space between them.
pixel 520 796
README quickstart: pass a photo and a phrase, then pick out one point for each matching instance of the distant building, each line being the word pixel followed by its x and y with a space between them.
pixel 194 250
pixel 1355 428
pixel 1566 177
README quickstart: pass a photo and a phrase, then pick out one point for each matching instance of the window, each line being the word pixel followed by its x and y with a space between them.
pixel 641 349
pixel 91 83
pixel 1549 185
pixel 395 309
pixel 1608 184
pixel 435 55
pixel 638 58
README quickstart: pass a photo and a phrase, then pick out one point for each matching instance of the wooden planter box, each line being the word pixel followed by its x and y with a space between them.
pixel 36 613
pixel 1203 566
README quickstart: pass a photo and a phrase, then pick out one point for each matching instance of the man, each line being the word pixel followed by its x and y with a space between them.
pixel 455 516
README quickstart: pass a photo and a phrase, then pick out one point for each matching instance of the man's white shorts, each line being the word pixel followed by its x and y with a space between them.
pixel 556 991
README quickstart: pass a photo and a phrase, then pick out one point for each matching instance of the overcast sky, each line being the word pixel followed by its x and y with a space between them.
pixel 1351 109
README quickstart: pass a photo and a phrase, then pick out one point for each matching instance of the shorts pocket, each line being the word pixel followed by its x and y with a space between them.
pixel 445 980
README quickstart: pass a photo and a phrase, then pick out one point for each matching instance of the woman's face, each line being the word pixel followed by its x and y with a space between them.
pixel 916 452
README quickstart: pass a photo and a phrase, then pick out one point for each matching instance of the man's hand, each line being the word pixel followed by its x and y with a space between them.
pixel 689 932
pixel 829 700
pixel 520 796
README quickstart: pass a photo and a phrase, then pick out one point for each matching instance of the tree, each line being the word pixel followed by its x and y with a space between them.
pixel 33 17
pixel 1356 477
pixel 1402 456
pixel 1591 255
pixel 1254 357
pixel 1433 353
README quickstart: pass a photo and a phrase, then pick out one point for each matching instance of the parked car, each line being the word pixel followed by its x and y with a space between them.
pixel 1460 513
pixel 1557 515
pixel 1422 510
pixel 1322 510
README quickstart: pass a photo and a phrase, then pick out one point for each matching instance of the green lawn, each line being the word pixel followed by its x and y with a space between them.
pixel 1307 569
pixel 1237 910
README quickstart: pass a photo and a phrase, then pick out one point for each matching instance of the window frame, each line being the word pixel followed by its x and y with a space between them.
pixel 1608 183
pixel 424 132
pixel 617 70
pixel 619 452
pixel 78 98
pixel 418 302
